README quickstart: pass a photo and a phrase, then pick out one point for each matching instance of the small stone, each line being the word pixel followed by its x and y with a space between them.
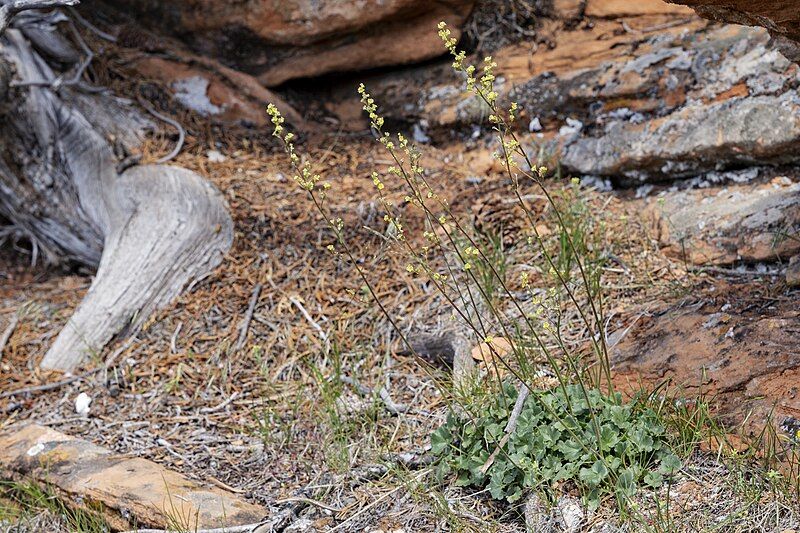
pixel 569 514
pixel 419 134
pixel 215 156
pixel 537 515
pixel 35 450
pixel 535 125
pixel 82 404
pixel 793 272
pixel 572 128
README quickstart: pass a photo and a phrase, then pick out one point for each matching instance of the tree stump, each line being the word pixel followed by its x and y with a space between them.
pixel 149 230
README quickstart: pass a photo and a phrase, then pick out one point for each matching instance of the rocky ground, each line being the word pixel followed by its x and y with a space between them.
pixel 685 135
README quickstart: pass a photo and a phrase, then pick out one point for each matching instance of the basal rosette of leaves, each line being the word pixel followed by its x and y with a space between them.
pixel 569 437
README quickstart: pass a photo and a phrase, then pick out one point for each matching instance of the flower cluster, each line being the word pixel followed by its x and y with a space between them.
pixel 304 176
pixel 370 107
pixel 485 86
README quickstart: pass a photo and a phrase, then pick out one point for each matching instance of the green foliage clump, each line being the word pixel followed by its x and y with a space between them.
pixel 569 435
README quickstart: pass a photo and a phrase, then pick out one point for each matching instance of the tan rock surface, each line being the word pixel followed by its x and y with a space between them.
pixel 133 492
pixel 620 8
pixel 735 344
pixel 778 16
pixel 278 41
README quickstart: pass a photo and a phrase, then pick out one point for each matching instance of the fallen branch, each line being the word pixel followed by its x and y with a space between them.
pixel 511 425
pixel 91 27
pixel 223 405
pixel 733 272
pixel 173 341
pixel 83 210
pixel 299 499
pixel 75 79
pixel 174 123
pixel 12 325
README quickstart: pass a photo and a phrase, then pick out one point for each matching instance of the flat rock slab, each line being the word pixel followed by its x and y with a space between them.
pixel 720 226
pixel 699 138
pixel 132 492
pixel 735 343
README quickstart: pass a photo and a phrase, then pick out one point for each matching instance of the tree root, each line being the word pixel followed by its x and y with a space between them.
pixel 150 230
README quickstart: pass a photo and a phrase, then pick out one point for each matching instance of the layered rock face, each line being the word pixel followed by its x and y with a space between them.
pixel 278 40
pixel 780 17
pixel 632 92
pixel 722 226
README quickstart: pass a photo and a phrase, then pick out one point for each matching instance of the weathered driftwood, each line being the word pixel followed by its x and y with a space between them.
pixel 9 9
pixel 150 230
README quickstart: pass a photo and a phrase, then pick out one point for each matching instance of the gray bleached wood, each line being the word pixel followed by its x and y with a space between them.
pixel 9 9
pixel 168 227
pixel 150 230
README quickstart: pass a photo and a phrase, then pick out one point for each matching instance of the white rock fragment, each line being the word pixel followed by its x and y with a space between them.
pixel 537 515
pixel 597 183
pixel 573 127
pixel 569 514
pixel 36 449
pixel 535 125
pixel 644 190
pixel 215 156
pixel 82 404
pixel 193 93
pixel 301 525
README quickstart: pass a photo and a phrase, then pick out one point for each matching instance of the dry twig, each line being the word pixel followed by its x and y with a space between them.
pixel 173 341
pixel 383 394
pixel 248 317
pixel 511 425
pixel 174 123
pixel 307 316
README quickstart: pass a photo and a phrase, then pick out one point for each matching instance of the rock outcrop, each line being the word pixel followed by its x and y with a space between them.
pixel 708 100
pixel 278 41
pixel 647 92
pixel 698 138
pixel 781 18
